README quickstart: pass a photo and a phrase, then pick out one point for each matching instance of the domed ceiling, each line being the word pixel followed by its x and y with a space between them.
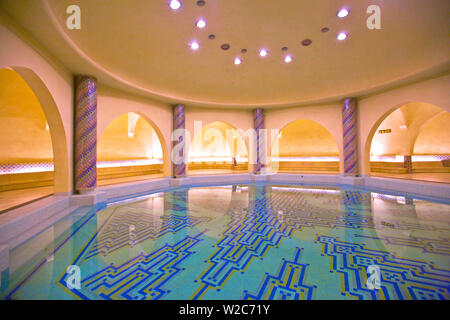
pixel 143 46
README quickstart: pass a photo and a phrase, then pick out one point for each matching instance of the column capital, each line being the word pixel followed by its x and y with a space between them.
pixel 348 101
pixel 80 77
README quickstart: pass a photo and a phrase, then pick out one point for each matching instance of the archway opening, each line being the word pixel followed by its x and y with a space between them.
pixel 413 142
pixel 129 150
pixel 26 149
pixel 305 146
pixel 217 148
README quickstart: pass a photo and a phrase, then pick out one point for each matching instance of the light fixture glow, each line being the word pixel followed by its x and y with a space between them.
pixel 201 23
pixel 175 4
pixel 237 61
pixel 342 36
pixel 288 58
pixel 194 45
pixel 343 13
pixel 263 52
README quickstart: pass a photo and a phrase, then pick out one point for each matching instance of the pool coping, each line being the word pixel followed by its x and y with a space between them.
pixel 21 224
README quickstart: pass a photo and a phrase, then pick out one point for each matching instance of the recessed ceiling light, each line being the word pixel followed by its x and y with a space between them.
pixel 306 42
pixel 225 46
pixel 201 23
pixel 175 4
pixel 325 29
pixel 237 61
pixel 244 50
pixel 284 49
pixel 342 36
pixel 194 45
pixel 201 3
pixel 211 36
pixel 263 52
pixel 343 13
pixel 288 58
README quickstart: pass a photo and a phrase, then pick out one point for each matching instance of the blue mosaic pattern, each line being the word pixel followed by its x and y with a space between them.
pixel 250 235
pixel 260 242
pixel 400 278
pixel 132 227
pixel 288 284
pixel 142 277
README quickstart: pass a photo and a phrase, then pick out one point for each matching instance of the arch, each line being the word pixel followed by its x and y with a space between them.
pixel 413 127
pixel 142 126
pixel 318 144
pixel 56 127
pixel 228 148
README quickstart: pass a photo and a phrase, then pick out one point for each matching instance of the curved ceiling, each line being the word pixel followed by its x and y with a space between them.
pixel 143 46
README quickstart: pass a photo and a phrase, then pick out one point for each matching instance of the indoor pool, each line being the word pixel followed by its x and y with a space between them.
pixel 243 242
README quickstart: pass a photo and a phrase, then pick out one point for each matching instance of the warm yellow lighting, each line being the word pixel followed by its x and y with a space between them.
pixel 377 149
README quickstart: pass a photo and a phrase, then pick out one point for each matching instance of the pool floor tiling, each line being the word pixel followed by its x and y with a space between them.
pixel 245 242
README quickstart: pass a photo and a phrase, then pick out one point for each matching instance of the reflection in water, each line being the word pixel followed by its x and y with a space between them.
pixel 242 242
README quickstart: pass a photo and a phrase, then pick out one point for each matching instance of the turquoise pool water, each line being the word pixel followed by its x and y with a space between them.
pixel 241 242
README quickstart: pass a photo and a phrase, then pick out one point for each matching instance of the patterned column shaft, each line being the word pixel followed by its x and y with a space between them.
pixel 85 133
pixel 179 170
pixel 407 163
pixel 350 129
pixel 258 119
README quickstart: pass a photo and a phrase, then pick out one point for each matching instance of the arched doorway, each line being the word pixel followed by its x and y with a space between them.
pixel 33 150
pixel 130 149
pixel 305 146
pixel 412 141
pixel 217 148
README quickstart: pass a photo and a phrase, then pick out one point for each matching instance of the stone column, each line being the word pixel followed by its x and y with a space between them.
pixel 85 134
pixel 258 120
pixel 350 135
pixel 179 169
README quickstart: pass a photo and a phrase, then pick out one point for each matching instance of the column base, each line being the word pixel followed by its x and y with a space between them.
pixel 180 181
pixel 260 177
pixel 88 199
pixel 351 180
pixel 85 191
